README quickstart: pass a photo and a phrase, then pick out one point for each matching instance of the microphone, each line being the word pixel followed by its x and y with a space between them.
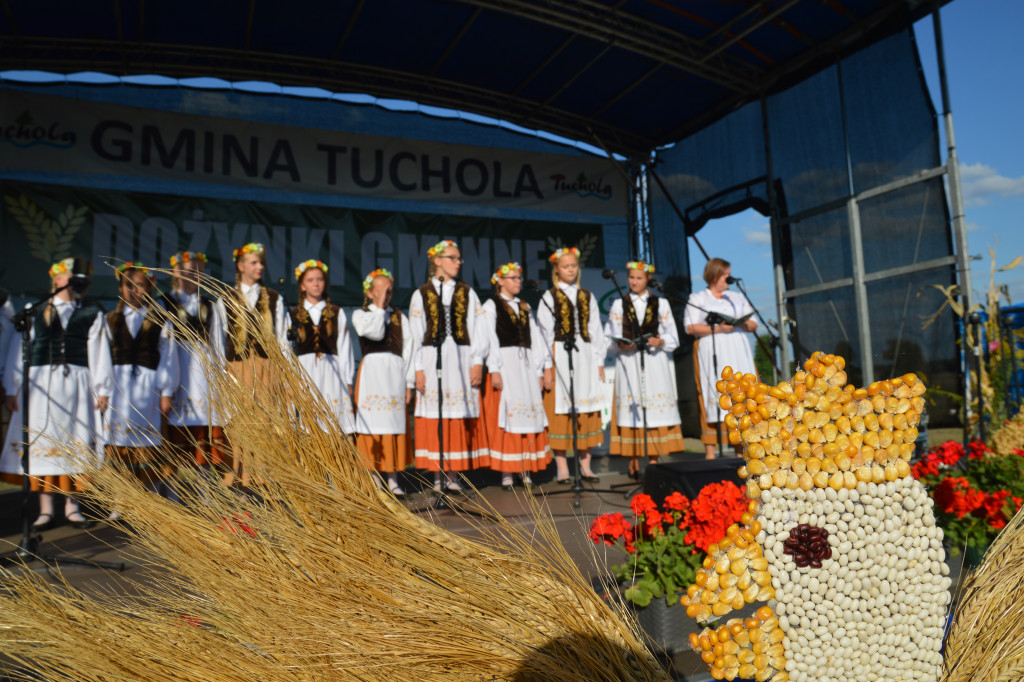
pixel 79 281
pixel 608 274
pixel 731 280
pixel 532 284
pixel 654 284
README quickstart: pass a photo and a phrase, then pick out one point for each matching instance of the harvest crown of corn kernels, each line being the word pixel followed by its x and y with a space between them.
pixel 839 540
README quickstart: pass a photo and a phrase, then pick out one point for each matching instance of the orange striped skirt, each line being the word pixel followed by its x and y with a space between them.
pixel 49 484
pixel 389 452
pixel 589 431
pixel 511 453
pixel 463 449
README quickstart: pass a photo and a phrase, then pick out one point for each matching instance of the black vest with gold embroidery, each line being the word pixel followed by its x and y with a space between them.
pixel 513 328
pixel 391 342
pixel 52 344
pixel 565 314
pixel 321 338
pixel 198 324
pixel 143 349
pixel 243 323
pixel 458 313
pixel 629 321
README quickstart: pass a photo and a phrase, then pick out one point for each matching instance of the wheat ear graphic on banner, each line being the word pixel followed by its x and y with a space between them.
pixel 48 239
pixel 586 245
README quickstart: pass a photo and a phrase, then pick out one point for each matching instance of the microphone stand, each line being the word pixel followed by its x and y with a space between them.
pixel 640 341
pixel 28 547
pixel 712 319
pixel 440 334
pixel 569 343
pixel 769 353
pixel 292 334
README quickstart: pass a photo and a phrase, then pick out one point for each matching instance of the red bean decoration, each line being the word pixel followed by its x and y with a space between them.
pixel 808 545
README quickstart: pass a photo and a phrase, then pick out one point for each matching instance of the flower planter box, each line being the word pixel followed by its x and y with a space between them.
pixel 664 627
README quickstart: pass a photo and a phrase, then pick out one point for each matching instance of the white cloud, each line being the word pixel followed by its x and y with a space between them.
pixel 981 182
pixel 758 235
pixel 973 227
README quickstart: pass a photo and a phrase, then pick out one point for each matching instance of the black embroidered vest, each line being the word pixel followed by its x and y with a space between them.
pixel 458 312
pixel 321 338
pixel 391 342
pixel 243 322
pixel 513 328
pixel 650 323
pixel 143 349
pixel 565 314
pixel 55 345
pixel 198 324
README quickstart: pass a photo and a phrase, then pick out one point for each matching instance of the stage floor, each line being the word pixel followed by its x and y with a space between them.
pixel 107 544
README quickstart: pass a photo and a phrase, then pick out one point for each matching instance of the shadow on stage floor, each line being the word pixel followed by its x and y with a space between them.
pixel 104 543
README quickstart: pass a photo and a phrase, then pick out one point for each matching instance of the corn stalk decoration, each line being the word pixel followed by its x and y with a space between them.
pixel 992 345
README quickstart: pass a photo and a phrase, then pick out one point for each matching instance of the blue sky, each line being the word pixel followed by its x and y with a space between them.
pixel 983 61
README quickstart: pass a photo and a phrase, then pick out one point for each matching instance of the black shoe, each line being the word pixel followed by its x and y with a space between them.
pixel 81 522
pixel 590 479
pixel 564 481
pixel 635 475
pixel 43 522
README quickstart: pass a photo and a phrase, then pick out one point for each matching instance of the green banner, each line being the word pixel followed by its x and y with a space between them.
pixel 40 224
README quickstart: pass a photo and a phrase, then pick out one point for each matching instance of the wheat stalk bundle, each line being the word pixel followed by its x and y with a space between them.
pixel 986 639
pixel 315 573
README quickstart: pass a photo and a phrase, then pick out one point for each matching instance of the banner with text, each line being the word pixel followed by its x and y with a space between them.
pixel 40 224
pixel 56 134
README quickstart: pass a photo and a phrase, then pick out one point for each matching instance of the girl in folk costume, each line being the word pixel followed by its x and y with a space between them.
pixel 145 361
pixel 69 388
pixel 386 379
pixel 640 313
pixel 446 306
pixel 323 345
pixel 519 364
pixel 194 431
pixel 243 348
pixel 569 311
pixel 251 306
pixel 730 344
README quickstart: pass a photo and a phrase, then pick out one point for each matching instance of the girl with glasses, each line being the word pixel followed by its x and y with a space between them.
pixel 447 312
pixel 519 364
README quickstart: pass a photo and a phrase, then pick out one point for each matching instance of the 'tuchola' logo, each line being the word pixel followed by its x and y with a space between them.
pixel 583 186
pixel 26 132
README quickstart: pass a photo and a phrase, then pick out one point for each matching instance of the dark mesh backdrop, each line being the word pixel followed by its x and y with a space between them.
pixel 890 126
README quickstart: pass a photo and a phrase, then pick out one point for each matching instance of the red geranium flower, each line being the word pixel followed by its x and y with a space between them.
pixel 643 504
pixel 677 502
pixel 608 528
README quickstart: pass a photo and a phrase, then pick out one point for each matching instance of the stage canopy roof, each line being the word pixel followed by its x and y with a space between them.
pixel 629 74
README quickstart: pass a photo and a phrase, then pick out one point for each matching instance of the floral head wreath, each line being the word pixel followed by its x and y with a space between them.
pixel 379 272
pixel 251 247
pixel 301 268
pixel 437 248
pixel 640 265
pixel 64 266
pixel 132 265
pixel 183 257
pixel 505 270
pixel 564 252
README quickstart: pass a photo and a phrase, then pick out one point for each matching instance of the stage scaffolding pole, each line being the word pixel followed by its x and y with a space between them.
pixel 778 268
pixel 956 204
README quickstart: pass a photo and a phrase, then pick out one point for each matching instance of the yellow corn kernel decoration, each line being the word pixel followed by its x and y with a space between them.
pixel 819 452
